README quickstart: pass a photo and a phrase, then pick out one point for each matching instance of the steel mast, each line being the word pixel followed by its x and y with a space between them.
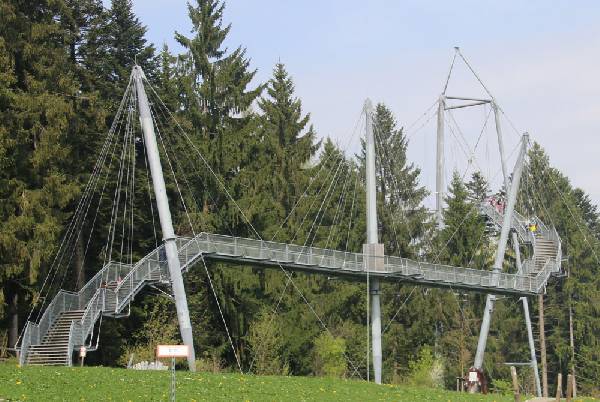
pixel 164 213
pixel 372 250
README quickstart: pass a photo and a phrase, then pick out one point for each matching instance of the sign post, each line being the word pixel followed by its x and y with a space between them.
pixel 82 354
pixel 172 351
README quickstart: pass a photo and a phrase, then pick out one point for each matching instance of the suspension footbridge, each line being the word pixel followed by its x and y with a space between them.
pixel 68 320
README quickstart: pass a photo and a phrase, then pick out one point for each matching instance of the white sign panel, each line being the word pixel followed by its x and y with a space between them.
pixel 172 351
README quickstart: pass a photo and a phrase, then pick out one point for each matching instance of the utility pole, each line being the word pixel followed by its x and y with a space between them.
pixel 515 241
pixel 500 252
pixel 543 346
pixel 439 178
pixel 164 213
pixel 372 250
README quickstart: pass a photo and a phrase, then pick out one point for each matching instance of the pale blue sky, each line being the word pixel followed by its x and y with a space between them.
pixel 540 59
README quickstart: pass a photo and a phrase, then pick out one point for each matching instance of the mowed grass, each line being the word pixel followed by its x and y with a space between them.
pixel 113 384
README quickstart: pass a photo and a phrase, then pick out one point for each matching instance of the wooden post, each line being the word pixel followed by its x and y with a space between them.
pixel 543 346
pixel 559 387
pixel 515 381
pixel 569 387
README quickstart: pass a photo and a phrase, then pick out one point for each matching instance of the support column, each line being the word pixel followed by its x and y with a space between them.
pixel 164 213
pixel 543 359
pixel 515 240
pixel 439 172
pixel 373 250
pixel 534 365
pixel 500 252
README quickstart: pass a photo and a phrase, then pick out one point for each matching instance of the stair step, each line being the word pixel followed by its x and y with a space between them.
pixel 48 364
pixel 57 344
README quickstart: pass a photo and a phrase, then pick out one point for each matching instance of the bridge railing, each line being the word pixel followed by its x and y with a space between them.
pixel 128 285
pixel 331 259
pixel 111 271
pixel 153 263
pixel 518 221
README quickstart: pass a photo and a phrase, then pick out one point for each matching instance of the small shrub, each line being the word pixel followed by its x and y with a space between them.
pixel 330 358
pixel 266 344
pixel 503 387
pixel 210 362
pixel 426 370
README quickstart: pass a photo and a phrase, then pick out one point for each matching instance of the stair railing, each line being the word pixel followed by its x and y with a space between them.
pixel 70 345
pixel 84 326
pixel 136 276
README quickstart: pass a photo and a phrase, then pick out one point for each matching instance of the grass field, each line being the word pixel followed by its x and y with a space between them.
pixel 111 384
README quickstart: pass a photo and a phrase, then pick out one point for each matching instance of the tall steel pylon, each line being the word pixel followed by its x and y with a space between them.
pixel 373 250
pixel 164 213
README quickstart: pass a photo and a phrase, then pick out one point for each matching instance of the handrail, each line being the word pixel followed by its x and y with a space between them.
pixel 90 314
pixel 70 344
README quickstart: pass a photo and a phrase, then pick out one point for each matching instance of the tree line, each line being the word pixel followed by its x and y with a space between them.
pixel 64 66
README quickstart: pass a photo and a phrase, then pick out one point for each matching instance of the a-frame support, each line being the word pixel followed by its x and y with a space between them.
pixel 164 213
pixel 515 241
pixel 500 252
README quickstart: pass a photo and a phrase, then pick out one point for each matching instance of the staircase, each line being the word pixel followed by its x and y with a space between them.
pixel 544 250
pixel 69 319
pixel 546 244
pixel 55 350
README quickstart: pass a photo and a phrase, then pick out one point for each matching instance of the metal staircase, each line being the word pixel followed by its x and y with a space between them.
pixel 54 348
pixel 547 252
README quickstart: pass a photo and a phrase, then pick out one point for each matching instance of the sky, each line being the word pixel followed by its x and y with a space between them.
pixel 540 60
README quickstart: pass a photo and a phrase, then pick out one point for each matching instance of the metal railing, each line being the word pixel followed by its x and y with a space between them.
pixel 316 259
pixel 71 344
pixel 35 332
pixel 66 301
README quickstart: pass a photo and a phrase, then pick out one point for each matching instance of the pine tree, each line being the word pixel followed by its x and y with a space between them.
pixel 219 103
pixel 478 187
pixel 216 103
pixel 400 195
pixel 115 43
pixel 35 117
pixel 284 147
pixel 463 238
pixel 283 123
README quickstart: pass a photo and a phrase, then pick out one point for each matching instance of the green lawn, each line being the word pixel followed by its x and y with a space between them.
pixel 100 383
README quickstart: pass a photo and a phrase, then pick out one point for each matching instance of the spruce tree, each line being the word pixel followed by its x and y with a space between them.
pixel 216 103
pixel 115 43
pixel 478 187
pixel 37 82
pixel 284 147
pixel 219 102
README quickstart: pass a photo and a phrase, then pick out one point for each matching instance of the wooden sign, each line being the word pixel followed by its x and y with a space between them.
pixel 172 351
